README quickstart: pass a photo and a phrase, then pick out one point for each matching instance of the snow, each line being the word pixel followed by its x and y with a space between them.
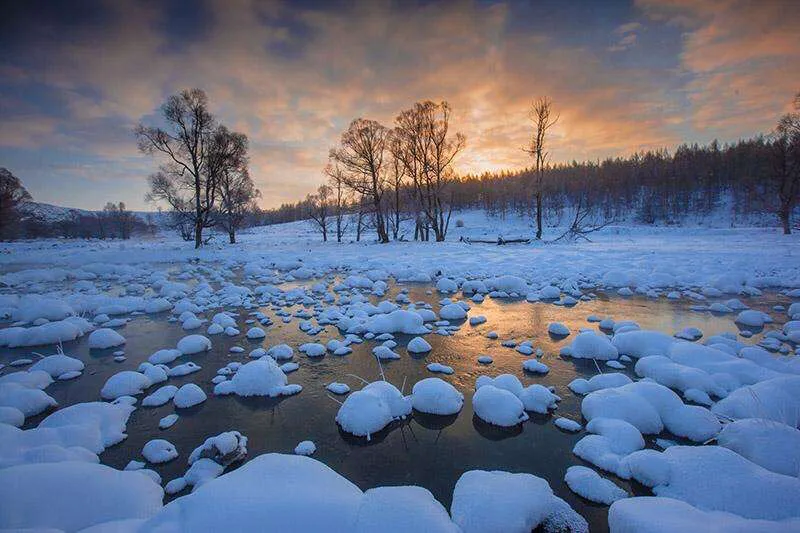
pixel 502 502
pixel 418 345
pixel 91 425
pixel 372 408
pixel 125 383
pixel 591 345
pixel 535 366
pixel 650 408
pixel 11 416
pixel 598 382
pixel 255 333
pixel 161 396
pixel 767 443
pixel 262 377
pixel 159 451
pixel 281 352
pixel 306 447
pixel 399 321
pixel 164 357
pixel 168 421
pixel 29 401
pixel 50 333
pixel 104 495
pixel 557 329
pixel 452 312
pixel 588 484
pixel 663 515
pixel 57 365
pixel 611 441
pixel 103 338
pixel 498 406
pixel 313 349
pixel 192 344
pixel 568 425
pixel 436 396
pixel 775 399
pixel 189 395
pixel 338 388
pixel 752 318
pixel 711 478
pixel 439 368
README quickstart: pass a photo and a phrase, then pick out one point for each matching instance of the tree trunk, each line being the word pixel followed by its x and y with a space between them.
pixel 198 233
pixel 232 236
pixel 539 215
pixel 785 215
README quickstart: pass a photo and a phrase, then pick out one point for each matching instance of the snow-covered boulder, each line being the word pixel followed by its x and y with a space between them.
pixel 436 396
pixel 372 408
pixel 103 338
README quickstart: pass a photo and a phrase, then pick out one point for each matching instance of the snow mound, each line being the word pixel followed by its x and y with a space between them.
pixel 588 484
pixel 591 345
pixel 262 377
pixel 436 396
pixel 372 408
pixel 192 344
pixel 189 395
pixel 502 502
pixel 103 338
pixel 57 365
pixel 125 383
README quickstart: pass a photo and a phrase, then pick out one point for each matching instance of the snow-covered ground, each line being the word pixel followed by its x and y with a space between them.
pixel 635 256
pixel 708 422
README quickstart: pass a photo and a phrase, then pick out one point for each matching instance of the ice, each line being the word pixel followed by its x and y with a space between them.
pixel 306 447
pixel 372 408
pixel 418 345
pixel 712 478
pixel 158 451
pixel 588 484
pixel 103 338
pixel 192 344
pixel 767 443
pixel 57 365
pixel 87 494
pixel 189 395
pixel 591 345
pixel 125 383
pixel 502 502
pixel 436 396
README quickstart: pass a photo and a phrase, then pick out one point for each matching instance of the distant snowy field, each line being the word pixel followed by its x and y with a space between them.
pixel 642 257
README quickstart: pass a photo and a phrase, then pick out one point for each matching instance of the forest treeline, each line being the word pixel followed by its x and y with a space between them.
pixel 651 187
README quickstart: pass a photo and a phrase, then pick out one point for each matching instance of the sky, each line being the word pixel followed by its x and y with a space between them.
pixel 76 77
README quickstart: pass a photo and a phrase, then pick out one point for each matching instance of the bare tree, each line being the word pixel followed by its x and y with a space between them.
pixel 786 164
pixel 427 151
pixel 340 198
pixel 361 153
pixel 227 166
pixel 319 205
pixel 183 181
pixel 120 217
pixel 12 193
pixel 541 115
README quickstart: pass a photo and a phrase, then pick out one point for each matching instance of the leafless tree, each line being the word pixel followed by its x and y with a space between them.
pixel 427 151
pixel 339 200
pixel 228 169
pixel 319 207
pixel 12 194
pixel 118 216
pixel 542 117
pixel 183 181
pixel 786 164
pixel 396 181
pixel 361 154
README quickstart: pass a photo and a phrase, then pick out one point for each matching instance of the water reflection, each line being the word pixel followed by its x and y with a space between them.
pixel 427 450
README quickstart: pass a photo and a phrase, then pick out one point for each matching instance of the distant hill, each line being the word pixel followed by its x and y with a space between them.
pixel 50 213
